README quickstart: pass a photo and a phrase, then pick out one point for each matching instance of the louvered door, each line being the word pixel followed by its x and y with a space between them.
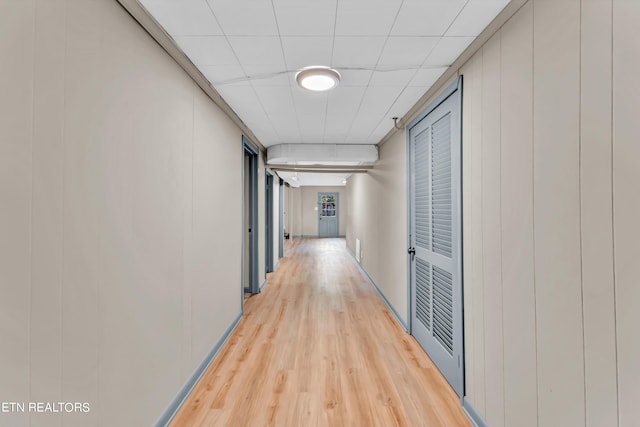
pixel 435 237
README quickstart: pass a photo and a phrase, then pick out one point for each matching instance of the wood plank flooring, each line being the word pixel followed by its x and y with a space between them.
pixel 318 347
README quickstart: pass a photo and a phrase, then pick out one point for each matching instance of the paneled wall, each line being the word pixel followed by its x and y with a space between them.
pixel 377 216
pixel 120 216
pixel 551 201
pixel 550 189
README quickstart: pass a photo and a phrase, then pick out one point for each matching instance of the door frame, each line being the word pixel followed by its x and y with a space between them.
pixel 268 220
pixel 281 218
pixel 252 151
pixel 456 85
pixel 337 194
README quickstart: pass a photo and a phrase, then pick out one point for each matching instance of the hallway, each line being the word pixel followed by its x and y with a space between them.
pixel 319 348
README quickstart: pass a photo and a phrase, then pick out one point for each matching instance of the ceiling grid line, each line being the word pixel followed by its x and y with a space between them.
pixel 389 54
pixel 376 66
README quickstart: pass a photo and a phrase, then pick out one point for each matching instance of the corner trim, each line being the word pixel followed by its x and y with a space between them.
pixel 262 285
pixel 472 414
pixel 177 402
pixel 384 298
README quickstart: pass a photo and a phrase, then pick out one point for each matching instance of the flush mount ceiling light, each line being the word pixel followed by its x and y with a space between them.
pixel 317 78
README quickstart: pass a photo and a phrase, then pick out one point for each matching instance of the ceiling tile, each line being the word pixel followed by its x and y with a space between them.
pixel 268 75
pixel 357 51
pixel 262 129
pixel 300 52
pixel 184 18
pixel 284 122
pixel 388 52
pixel 243 100
pixel 406 51
pixel 245 18
pixel 343 105
pixel 426 17
pixel 345 101
pixel 280 80
pixel 366 17
pixel 448 50
pixel 475 16
pixel 373 110
pixel 354 77
pixel 311 110
pixel 405 101
pixel 257 50
pixel 392 78
pixel 380 132
pixel 305 17
pixel 224 74
pixel 207 50
pixel 275 101
pixel 425 77
pixel 308 101
pixel 378 99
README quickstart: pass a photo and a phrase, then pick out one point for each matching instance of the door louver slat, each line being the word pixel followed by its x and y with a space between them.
pixel 422 199
pixel 441 186
pixel 443 297
pixel 423 292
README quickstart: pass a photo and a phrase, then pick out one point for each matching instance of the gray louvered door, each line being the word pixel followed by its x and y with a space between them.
pixel 436 286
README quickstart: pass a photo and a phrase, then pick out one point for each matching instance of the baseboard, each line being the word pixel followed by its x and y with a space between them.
pixel 473 415
pixel 313 236
pixel 186 390
pixel 384 298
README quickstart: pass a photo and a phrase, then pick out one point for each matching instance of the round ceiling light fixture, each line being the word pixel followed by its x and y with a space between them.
pixel 318 78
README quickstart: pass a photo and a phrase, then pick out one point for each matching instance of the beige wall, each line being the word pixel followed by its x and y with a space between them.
pixel 305 218
pixel 295 204
pixel 119 270
pixel 377 216
pixel 551 202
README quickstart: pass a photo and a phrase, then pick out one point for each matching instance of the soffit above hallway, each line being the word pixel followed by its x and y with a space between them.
pixel 388 52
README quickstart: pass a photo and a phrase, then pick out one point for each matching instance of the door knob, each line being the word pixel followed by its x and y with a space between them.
pixel 412 251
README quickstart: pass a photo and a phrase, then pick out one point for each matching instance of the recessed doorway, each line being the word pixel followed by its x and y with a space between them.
pixel 250 223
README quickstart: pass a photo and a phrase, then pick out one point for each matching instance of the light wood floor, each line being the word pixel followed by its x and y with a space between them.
pixel 318 347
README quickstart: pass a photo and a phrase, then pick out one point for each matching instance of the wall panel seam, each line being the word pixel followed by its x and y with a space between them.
pixel 504 406
pixel 481 186
pixel 613 215
pixel 533 197
pixel 62 206
pixel 580 189
pixel 29 336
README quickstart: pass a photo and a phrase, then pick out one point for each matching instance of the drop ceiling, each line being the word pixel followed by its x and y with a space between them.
pixel 388 52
